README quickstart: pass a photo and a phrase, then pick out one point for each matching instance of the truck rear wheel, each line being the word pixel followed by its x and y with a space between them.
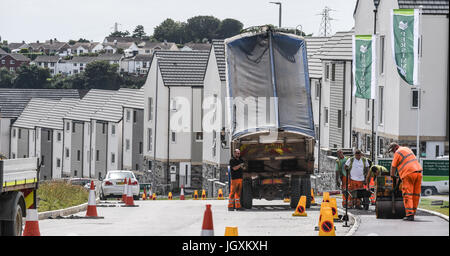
pixel 15 227
pixel 306 189
pixel 247 196
pixel 300 186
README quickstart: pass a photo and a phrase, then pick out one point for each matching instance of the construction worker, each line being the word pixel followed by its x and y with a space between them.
pixel 236 170
pixel 341 174
pixel 409 169
pixel 374 172
pixel 356 166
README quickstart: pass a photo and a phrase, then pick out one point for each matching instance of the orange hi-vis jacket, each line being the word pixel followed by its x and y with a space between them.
pixel 406 162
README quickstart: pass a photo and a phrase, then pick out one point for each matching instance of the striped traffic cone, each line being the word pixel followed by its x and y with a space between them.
pixel 207 227
pixel 92 208
pixel 182 193
pixel 129 201
pixel 32 223
pixel 125 191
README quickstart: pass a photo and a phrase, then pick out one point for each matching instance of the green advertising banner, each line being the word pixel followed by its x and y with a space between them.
pixel 364 64
pixel 405 43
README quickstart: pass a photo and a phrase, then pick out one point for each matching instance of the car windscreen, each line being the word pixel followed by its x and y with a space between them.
pixel 119 175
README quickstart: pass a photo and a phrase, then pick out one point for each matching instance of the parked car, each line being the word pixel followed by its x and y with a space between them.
pixel 114 182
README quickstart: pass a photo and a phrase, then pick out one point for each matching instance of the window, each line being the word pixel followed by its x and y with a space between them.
pixel 49 136
pixel 382 49
pixel 380 146
pixel 415 99
pixel 13 156
pixel 326 115
pixel 11 62
pixel 58 136
pixel 380 105
pixel 42 160
pixel 3 62
pixel 327 71
pixel 68 126
pixel 134 116
pixel 339 118
pixel 317 89
pixel 437 151
pixel 14 133
pixel 368 111
pixel 316 131
pixel 173 104
pixel 58 162
pixel 103 128
pixel 97 155
pixel 128 115
pixel 78 155
pixel 199 136
pixel 150 109
pixel 113 129
pixel 368 144
pixel 20 133
pixel 140 147
pixel 150 139
pixel 75 173
pixel 127 144
pixel 67 152
pixel 113 158
pixel 137 167
pixel 333 72
pixel 173 137
pixel 73 127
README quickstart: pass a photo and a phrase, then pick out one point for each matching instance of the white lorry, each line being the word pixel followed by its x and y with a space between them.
pixel 18 185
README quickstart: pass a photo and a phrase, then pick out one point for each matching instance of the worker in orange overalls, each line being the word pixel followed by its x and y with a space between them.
pixel 356 166
pixel 236 171
pixel 410 172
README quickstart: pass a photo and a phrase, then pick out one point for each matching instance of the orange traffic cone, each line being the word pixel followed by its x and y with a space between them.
pixel 182 193
pixel 301 207
pixel 326 225
pixel 144 195
pixel 207 227
pixel 195 194
pixel 125 191
pixel 170 196
pixel 313 201
pixel 203 195
pixel 92 208
pixel 333 205
pixel 32 223
pixel 129 200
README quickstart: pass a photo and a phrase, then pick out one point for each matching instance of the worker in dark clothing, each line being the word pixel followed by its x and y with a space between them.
pixel 236 170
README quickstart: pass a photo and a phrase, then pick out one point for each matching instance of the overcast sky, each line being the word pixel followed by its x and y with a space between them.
pixel 32 20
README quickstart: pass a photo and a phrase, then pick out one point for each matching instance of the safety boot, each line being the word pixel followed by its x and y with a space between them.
pixel 409 218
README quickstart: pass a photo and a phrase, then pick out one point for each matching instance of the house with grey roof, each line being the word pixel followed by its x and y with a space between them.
pixel 50 62
pixel 216 143
pixel 106 135
pixel 172 118
pixel 13 102
pixel 133 133
pixel 77 134
pixel 196 47
pixel 397 104
pixel 148 47
pixel 137 65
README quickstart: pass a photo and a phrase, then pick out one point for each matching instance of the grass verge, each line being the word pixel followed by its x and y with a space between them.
pixel 426 204
pixel 56 195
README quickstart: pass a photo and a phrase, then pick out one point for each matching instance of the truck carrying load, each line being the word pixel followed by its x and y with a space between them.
pixel 271 118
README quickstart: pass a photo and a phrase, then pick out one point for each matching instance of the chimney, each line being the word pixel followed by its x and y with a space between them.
pixel 51 41
pixel 37 41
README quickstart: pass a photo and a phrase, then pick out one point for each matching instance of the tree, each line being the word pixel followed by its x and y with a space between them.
pixel 6 78
pixel 101 75
pixel 72 42
pixel 169 30
pixel 200 27
pixel 139 32
pixel 119 34
pixel 82 40
pixel 32 76
pixel 229 28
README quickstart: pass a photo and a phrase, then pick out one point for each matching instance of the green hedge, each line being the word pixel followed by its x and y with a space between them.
pixel 56 195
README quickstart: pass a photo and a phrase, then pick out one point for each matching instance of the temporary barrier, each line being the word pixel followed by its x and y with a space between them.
pixel 301 207
pixel 231 231
pixel 92 207
pixel 334 208
pixel 326 225
pixel 326 197
pixel 313 201
pixel 207 227
pixel 129 201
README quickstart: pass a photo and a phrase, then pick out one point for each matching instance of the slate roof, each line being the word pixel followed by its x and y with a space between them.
pixel 82 59
pixel 338 47
pixel 112 110
pixel 46 58
pixel 16 56
pixel 54 118
pixel 137 101
pixel 109 57
pixel 90 103
pixel 2 51
pixel 219 51
pixel 198 46
pixel 182 68
pixel 437 7
pixel 313 45
pixel 13 101
pixel 153 45
pixel 35 110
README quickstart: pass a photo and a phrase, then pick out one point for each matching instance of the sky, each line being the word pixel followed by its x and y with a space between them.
pixel 31 20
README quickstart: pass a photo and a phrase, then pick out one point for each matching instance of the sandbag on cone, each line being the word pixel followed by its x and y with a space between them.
pixel 32 223
pixel 207 227
pixel 125 191
pixel 182 193
pixel 92 207
pixel 129 200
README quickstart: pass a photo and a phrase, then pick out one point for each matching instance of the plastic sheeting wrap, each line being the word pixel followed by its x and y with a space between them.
pixel 268 83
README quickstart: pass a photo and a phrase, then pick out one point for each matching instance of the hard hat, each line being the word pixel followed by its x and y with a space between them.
pixel 392 146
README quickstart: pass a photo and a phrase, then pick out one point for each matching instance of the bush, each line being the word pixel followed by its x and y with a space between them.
pixel 55 195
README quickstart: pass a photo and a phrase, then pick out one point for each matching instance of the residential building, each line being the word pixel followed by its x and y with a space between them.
pixel 147 47
pixel 50 62
pixel 138 64
pixel 196 47
pixel 13 61
pixel 397 104
pixel 173 117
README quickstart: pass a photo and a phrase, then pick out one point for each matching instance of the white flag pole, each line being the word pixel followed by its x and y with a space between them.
pixel 419 51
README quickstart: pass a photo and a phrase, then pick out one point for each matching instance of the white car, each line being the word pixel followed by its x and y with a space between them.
pixel 114 183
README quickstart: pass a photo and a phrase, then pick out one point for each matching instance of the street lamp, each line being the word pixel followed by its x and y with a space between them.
pixel 279 17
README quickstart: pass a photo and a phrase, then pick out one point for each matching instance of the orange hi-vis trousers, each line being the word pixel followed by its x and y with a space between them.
pixel 235 194
pixel 353 185
pixel 411 189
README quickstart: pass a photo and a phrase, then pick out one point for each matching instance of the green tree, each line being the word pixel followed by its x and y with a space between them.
pixel 6 78
pixel 72 42
pixel 169 30
pixel 120 34
pixel 138 32
pixel 102 75
pixel 32 76
pixel 82 40
pixel 229 28
pixel 200 27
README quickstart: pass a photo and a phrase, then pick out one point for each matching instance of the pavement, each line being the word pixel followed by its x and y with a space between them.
pixel 184 218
